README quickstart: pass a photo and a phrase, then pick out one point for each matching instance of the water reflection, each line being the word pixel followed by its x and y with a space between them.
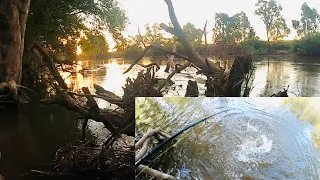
pixel 29 138
pixel 302 75
pixel 249 138
pixel 114 79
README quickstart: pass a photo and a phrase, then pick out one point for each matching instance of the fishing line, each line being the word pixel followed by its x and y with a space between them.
pixel 158 147
pixel 186 135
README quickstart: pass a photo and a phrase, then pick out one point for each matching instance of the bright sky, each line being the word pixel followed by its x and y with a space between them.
pixel 141 12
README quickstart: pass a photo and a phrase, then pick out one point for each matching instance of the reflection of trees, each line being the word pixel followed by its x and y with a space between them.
pixel 307 78
pixel 306 109
pixel 276 77
pixel 149 113
pixel 34 135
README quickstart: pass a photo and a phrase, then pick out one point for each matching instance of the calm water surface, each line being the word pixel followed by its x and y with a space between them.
pixel 248 138
pixel 302 76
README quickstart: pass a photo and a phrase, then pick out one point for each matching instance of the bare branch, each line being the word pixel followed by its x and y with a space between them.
pixel 137 60
pixel 178 69
pixel 149 133
pixel 154 173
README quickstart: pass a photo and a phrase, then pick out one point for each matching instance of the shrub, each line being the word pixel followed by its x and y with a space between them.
pixel 132 52
pixel 307 46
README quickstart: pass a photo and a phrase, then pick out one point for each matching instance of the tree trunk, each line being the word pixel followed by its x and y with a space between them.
pixel 13 18
pixel 170 60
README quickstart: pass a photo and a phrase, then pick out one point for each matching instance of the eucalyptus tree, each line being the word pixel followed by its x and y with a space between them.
pixel 270 14
pixel 309 23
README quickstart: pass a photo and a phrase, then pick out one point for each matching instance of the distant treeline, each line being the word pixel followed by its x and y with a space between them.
pixel 306 46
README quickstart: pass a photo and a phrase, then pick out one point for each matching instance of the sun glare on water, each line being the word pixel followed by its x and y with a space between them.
pixel 115 78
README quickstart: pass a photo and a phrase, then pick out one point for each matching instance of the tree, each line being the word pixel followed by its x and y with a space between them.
pixel 270 13
pixel 52 21
pixel 193 34
pixel 93 43
pixel 231 29
pixel 309 23
pixel 13 18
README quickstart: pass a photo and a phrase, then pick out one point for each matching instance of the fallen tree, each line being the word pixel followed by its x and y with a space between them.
pixel 219 82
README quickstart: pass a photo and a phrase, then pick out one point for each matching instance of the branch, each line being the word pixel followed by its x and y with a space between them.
pixel 178 69
pixel 95 111
pixel 144 45
pixel 170 52
pixel 138 59
pixel 143 150
pixel 154 173
pixel 207 68
pixel 149 133
pixel 157 48
pixel 50 64
pixel 110 100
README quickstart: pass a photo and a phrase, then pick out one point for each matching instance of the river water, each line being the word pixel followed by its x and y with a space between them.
pixel 248 138
pixel 302 76
pixel 29 138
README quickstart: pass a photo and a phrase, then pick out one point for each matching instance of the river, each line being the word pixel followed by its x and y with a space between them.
pixel 247 138
pixel 302 76
pixel 29 138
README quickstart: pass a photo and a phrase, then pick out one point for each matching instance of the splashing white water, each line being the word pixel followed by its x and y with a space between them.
pixel 253 147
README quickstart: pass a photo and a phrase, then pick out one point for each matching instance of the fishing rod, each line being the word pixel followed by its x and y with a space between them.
pixel 158 147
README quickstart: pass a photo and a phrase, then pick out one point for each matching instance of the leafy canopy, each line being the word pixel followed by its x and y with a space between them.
pixel 309 23
pixel 232 29
pixel 51 21
pixel 270 14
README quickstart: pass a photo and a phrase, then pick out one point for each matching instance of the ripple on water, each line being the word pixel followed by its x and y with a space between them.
pixel 245 140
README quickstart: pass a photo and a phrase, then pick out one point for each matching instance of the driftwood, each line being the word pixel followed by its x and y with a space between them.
pixel 192 89
pixel 143 144
pixel 155 173
pixel 85 161
pixel 218 83
pixel 239 69
pixel 283 93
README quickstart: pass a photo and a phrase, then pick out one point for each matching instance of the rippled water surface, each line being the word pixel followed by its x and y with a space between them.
pixel 259 138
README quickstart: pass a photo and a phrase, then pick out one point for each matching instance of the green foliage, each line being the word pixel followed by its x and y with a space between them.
pixel 309 22
pixel 255 45
pixel 270 13
pixel 307 46
pixel 51 21
pixel 193 34
pixel 232 29
pixel 132 52
pixel 93 43
pixel 283 45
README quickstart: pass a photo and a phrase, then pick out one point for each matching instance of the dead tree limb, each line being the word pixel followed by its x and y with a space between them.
pixel 154 173
pixel 50 64
pixel 149 134
pixel 208 68
pixel 110 100
pixel 138 59
pixel 95 111
pixel 177 70
pixel 143 150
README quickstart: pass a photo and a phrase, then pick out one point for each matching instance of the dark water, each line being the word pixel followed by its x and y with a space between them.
pixel 248 138
pixel 29 138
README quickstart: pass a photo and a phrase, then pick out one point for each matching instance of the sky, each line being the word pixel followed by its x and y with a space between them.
pixel 141 12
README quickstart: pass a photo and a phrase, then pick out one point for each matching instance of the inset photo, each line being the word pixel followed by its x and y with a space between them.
pixel 227 138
